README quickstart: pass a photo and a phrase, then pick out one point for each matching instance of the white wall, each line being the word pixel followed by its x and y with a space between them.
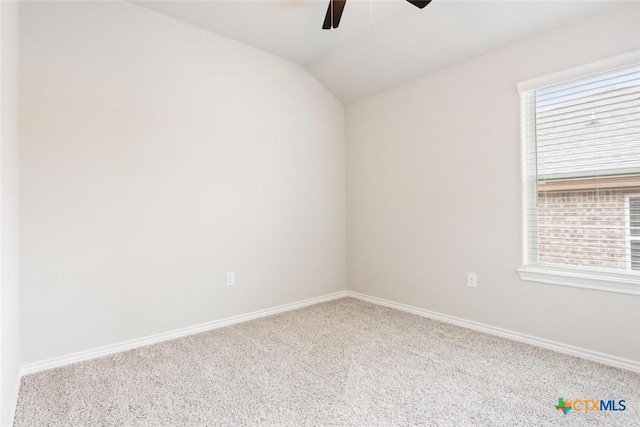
pixel 433 190
pixel 155 158
pixel 9 213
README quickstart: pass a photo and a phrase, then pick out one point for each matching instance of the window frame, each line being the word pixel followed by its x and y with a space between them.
pixel 621 281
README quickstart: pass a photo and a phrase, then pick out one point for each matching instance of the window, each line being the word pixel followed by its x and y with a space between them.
pixel 633 205
pixel 581 176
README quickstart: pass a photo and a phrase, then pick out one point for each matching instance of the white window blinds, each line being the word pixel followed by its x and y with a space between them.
pixel 581 172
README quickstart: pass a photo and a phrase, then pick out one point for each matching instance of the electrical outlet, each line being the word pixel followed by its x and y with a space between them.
pixel 472 280
pixel 231 278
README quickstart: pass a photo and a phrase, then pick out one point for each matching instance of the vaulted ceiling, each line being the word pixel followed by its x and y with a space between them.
pixel 404 43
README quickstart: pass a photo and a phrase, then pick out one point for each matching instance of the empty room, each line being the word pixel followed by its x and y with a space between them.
pixel 319 213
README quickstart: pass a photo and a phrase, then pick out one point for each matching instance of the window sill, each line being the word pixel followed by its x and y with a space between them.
pixel 624 283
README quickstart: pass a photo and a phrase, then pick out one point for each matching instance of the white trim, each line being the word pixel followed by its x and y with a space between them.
pixel 591 69
pixel 624 282
pixel 606 359
pixel 595 356
pixel 106 350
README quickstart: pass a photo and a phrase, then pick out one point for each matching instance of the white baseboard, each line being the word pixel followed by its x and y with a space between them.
pixel 106 350
pixel 606 359
pixel 595 356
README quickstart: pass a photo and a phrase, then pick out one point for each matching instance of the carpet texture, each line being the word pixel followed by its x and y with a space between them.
pixel 344 362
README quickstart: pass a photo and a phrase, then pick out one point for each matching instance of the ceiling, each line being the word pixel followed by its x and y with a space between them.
pixel 404 43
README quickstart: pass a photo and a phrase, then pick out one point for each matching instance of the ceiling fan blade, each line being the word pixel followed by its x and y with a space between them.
pixel 338 7
pixel 419 3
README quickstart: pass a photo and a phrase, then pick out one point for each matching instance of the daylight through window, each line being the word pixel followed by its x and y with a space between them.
pixel 582 173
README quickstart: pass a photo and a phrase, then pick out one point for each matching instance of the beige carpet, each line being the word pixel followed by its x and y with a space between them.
pixel 344 362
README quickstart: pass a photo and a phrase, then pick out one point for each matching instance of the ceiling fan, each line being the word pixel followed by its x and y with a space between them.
pixel 336 7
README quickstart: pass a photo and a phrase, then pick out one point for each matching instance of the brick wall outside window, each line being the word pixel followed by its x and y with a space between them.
pixel 573 225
